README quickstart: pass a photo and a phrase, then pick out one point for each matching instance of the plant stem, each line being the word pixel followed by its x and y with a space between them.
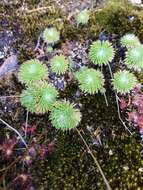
pixel 117 102
pixel 13 129
pixel 104 93
pixel 26 123
pixel 119 115
pixel 105 97
pixel 95 160
pixel 9 97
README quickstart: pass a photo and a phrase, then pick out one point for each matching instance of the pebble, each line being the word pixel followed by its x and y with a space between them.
pixel 103 36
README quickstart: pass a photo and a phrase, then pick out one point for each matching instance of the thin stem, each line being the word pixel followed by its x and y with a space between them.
pixel 4 184
pixel 110 71
pixel 38 42
pixel 117 102
pixel 38 9
pixel 105 97
pixel 26 123
pixel 104 93
pixel 13 129
pixel 119 115
pixel 95 160
pixel 9 97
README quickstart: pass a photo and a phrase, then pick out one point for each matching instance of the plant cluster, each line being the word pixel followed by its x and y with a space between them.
pixel 41 96
pixel 13 152
pixel 102 53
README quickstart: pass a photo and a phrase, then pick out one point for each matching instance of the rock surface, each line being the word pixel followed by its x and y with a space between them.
pixel 137 2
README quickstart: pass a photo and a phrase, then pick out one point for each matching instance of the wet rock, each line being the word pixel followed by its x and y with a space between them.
pixel 136 2
pixel 9 66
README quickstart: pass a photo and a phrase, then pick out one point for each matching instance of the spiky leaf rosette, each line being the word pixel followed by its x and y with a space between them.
pixel 124 81
pixel 32 71
pixel 51 35
pixel 101 52
pixel 49 49
pixel 64 116
pixel 46 96
pixel 130 40
pixel 82 17
pixel 28 99
pixel 134 58
pixel 59 64
pixel 90 80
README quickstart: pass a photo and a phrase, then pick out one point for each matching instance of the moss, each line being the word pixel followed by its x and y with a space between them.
pixel 123 171
pixel 71 167
pixel 114 18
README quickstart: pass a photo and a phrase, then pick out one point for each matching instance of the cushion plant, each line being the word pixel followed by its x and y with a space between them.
pixel 134 58
pixel 59 64
pixel 130 40
pixel 101 52
pixel 46 97
pixel 28 99
pixel 32 71
pixel 49 49
pixel 64 116
pixel 39 98
pixel 51 35
pixel 124 81
pixel 90 80
pixel 82 17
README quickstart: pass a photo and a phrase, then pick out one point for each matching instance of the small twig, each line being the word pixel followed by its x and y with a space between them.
pixel 39 9
pixel 9 166
pixel 13 129
pixel 95 160
pixel 9 97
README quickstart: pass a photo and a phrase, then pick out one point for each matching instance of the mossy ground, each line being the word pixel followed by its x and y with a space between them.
pixel 70 166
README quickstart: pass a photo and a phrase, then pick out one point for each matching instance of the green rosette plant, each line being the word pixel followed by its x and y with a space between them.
pixel 130 40
pixel 90 80
pixel 65 116
pixel 28 99
pixel 39 98
pixel 46 97
pixel 32 71
pixel 134 58
pixel 59 64
pixel 82 17
pixel 51 35
pixel 49 49
pixel 101 52
pixel 124 81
